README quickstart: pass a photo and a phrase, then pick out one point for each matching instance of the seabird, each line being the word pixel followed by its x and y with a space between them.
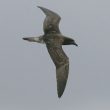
pixel 54 40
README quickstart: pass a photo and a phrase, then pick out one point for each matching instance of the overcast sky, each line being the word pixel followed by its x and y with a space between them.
pixel 27 74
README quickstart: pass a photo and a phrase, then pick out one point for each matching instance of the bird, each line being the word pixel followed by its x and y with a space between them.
pixel 54 39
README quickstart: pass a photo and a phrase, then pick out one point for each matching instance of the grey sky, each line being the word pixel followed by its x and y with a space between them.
pixel 24 66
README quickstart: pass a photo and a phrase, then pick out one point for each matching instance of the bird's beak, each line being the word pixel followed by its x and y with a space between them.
pixel 74 43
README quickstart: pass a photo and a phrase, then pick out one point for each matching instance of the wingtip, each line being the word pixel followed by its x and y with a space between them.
pixel 59 96
pixel 40 7
pixel 24 38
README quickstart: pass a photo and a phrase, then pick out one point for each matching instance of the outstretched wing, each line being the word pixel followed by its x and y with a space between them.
pixel 51 22
pixel 61 62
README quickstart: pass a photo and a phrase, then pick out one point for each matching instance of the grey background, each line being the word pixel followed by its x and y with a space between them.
pixel 27 74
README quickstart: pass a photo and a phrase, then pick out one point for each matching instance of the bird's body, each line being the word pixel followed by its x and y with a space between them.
pixel 54 40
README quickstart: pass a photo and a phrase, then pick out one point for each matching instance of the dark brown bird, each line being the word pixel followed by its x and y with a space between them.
pixel 54 40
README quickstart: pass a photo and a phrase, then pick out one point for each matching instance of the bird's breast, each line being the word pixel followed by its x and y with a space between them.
pixel 53 39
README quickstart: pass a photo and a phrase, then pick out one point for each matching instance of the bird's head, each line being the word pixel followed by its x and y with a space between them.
pixel 69 41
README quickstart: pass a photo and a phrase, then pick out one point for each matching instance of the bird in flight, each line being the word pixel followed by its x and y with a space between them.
pixel 54 40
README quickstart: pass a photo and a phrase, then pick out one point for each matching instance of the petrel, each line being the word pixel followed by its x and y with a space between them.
pixel 54 40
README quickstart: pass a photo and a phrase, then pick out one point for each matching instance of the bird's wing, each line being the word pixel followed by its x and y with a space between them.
pixel 61 62
pixel 51 22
